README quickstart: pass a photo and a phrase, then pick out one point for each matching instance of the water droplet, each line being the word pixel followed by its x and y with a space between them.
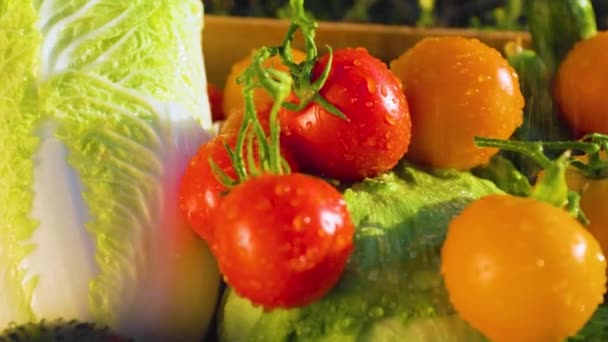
pixel 483 78
pixel 390 119
pixel 297 224
pixel 369 104
pixel 308 124
pixel 281 189
pixel 384 92
pixel 357 62
pixel 370 142
pixel 372 86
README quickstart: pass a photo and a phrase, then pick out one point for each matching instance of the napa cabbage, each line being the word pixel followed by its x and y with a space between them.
pixel 102 104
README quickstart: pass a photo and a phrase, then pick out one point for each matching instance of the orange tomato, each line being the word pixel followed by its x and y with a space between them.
pixel 594 202
pixel 581 88
pixel 518 269
pixel 233 96
pixel 233 122
pixel 457 89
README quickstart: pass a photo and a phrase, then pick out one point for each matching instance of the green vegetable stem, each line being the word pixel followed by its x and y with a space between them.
pixel 541 119
pixel 278 85
pixel 552 188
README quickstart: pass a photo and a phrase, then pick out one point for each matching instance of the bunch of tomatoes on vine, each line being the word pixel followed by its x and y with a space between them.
pixel 262 192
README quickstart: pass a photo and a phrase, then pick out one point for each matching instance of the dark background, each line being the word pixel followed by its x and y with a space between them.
pixel 488 14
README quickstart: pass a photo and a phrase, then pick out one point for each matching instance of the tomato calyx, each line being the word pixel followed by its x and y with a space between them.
pixel 306 90
pixel 279 85
pixel 552 188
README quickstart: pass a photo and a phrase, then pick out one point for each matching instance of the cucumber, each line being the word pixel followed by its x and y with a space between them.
pixel 541 118
pixel 556 25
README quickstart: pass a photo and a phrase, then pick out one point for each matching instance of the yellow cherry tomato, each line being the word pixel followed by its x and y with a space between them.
pixel 581 88
pixel 457 89
pixel 594 202
pixel 518 269
pixel 233 96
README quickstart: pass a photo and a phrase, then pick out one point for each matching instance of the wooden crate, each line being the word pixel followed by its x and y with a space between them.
pixel 229 39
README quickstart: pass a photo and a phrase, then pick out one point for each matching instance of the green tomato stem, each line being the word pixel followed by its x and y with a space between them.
pixel 552 188
pixel 533 150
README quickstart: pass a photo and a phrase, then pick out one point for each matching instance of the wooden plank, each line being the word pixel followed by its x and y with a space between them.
pixel 229 39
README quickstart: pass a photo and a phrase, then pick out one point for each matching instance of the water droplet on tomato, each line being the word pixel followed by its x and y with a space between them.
pixel 372 86
pixel 383 91
pixel 308 124
pixel 390 119
pixel 483 78
pixel 371 142
pixel 357 62
pixel 281 189
pixel 369 104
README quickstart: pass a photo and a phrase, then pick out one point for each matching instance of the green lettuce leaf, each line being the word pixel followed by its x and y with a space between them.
pixel 391 288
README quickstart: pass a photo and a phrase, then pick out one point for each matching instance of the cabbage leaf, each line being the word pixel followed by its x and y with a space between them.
pixel 102 102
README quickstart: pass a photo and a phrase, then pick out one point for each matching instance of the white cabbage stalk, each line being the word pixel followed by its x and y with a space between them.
pixel 102 104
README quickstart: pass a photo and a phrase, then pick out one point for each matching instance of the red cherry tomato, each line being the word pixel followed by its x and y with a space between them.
pixel 200 191
pixel 216 100
pixel 282 240
pixel 377 134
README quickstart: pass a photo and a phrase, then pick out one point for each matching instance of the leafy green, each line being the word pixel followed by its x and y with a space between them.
pixel 102 102
pixel 391 280
pixel 596 330
pixel 19 42
pixel 505 175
